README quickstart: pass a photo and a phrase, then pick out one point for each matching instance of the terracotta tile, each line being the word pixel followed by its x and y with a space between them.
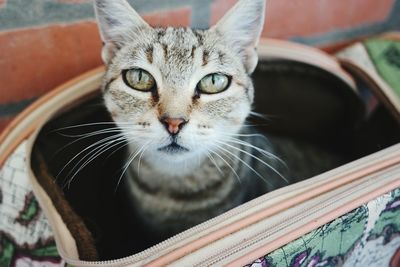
pixel 310 17
pixel 33 61
pixel 219 9
pixel 289 18
pixel 176 17
pixel 4 121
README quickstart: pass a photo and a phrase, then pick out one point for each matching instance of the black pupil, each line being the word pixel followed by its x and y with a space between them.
pixel 213 79
pixel 140 75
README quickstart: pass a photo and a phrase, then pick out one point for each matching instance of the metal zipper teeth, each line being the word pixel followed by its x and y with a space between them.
pixel 135 259
pixel 284 223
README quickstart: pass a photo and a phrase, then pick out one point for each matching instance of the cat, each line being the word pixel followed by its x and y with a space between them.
pixel 181 97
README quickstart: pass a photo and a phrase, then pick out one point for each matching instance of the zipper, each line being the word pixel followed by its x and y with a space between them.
pixel 263 234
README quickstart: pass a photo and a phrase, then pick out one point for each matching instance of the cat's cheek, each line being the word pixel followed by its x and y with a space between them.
pixel 120 116
pixel 236 121
pixel 240 114
pixel 112 109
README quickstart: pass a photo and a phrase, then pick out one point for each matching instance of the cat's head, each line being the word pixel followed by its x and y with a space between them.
pixel 178 93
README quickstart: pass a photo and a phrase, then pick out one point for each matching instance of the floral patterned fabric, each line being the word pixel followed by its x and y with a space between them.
pixel 26 238
pixel 367 236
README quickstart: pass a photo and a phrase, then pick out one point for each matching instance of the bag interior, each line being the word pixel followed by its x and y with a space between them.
pixel 303 103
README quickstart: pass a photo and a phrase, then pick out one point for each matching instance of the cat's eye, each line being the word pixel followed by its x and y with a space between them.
pixel 214 83
pixel 139 79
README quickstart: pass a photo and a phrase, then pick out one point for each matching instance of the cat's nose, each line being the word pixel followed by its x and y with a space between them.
pixel 173 125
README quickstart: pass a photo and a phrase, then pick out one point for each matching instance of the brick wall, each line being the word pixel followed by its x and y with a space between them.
pixel 43 43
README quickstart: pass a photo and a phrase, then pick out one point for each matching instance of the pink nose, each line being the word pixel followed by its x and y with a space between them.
pixel 173 125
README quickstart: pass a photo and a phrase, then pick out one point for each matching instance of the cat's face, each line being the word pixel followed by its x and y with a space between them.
pixel 177 93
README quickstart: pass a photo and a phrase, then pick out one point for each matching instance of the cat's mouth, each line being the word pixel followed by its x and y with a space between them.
pixel 173 148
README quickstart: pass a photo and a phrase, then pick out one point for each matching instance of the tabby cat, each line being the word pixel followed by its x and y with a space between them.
pixel 181 97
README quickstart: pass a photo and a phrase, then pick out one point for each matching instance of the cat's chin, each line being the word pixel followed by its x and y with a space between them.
pixel 174 149
pixel 174 161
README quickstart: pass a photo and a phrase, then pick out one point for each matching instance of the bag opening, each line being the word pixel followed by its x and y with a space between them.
pixel 311 107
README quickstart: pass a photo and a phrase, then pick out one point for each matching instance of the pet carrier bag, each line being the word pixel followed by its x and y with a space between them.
pixel 346 216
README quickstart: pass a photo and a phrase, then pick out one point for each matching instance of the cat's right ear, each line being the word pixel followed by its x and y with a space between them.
pixel 241 28
pixel 117 22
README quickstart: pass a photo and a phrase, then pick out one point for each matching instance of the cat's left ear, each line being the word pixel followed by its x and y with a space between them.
pixel 118 22
pixel 241 27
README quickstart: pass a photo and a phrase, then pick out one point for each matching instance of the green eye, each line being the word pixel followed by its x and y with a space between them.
pixel 139 79
pixel 214 83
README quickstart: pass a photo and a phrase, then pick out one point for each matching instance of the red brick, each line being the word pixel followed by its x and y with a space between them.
pixel 289 18
pixel 33 61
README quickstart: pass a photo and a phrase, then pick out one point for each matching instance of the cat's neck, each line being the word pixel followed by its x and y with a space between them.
pixel 216 185
pixel 189 177
pixel 160 199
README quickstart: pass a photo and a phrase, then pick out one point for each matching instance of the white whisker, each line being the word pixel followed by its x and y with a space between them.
pixel 98 132
pixel 260 115
pixel 140 158
pixel 75 141
pixel 246 135
pixel 256 158
pixel 129 162
pixel 245 163
pixel 87 148
pixel 227 164
pixel 101 150
pixel 214 162
pixel 262 151
pixel 90 156
pixel 88 125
